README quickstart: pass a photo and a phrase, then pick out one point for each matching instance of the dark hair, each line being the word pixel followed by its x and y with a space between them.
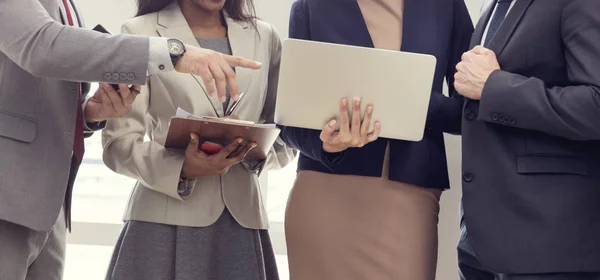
pixel 239 10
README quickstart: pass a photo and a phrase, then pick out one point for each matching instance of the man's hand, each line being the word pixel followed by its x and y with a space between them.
pixel 109 104
pixel 215 69
pixel 473 72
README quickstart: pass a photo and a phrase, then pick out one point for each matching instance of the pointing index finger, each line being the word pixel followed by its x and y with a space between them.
pixel 236 61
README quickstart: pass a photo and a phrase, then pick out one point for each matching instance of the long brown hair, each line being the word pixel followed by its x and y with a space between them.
pixel 239 10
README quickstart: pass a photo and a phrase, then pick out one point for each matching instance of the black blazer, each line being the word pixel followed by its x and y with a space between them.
pixel 442 28
pixel 531 149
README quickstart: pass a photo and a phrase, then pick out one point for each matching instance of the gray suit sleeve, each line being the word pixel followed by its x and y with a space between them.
pixel 571 111
pixel 46 48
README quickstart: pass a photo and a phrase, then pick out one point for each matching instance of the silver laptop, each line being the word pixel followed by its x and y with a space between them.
pixel 315 76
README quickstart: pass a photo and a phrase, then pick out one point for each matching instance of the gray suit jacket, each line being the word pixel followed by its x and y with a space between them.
pixel 38 54
pixel 157 169
pixel 531 146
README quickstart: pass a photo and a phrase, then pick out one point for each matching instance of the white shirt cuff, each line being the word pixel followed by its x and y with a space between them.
pixel 159 59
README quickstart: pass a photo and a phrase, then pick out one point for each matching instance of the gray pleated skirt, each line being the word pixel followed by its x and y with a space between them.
pixel 222 251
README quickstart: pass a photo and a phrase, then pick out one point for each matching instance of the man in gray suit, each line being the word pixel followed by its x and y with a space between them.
pixel 531 142
pixel 45 61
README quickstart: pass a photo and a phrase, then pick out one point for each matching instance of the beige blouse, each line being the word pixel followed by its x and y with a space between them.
pixel 384 22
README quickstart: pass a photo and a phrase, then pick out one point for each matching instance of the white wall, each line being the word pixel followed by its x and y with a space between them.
pixel 111 13
pixel 450 206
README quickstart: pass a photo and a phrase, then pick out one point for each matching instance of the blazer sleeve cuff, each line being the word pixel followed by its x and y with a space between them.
pixel 169 180
pixel 497 103
pixel 90 127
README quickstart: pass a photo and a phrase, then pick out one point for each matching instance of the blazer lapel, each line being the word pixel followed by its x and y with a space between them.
pixel 502 36
pixel 357 24
pixel 242 39
pixel 419 18
pixel 172 24
pixel 482 24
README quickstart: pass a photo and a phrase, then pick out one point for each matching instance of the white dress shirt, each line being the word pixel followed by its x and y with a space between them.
pixel 485 32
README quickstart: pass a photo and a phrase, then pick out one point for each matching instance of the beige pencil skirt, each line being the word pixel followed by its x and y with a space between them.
pixel 360 228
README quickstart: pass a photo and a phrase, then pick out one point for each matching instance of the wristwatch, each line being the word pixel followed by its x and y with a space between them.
pixel 176 50
pixel 183 188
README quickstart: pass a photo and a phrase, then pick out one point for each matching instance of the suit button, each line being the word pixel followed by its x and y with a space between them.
pixel 161 67
pixel 107 76
pixel 512 121
pixel 115 76
pixel 130 77
pixel 470 115
pixel 123 77
pixel 495 117
pixel 467 177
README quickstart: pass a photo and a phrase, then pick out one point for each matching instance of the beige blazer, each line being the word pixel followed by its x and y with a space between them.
pixel 157 169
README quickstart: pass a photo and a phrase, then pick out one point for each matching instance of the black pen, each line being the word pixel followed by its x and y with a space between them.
pixel 232 108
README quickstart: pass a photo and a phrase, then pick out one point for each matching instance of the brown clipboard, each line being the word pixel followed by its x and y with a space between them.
pixel 221 132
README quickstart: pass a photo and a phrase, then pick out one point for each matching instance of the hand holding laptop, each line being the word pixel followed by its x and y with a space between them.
pixel 351 134
pixel 398 84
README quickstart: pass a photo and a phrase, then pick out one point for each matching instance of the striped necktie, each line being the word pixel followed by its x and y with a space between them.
pixel 499 15
pixel 78 143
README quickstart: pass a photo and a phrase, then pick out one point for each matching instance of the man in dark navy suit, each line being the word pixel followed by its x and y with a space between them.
pixel 531 142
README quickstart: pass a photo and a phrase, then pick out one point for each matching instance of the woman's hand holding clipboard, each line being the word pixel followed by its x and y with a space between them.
pixel 215 133
pixel 204 161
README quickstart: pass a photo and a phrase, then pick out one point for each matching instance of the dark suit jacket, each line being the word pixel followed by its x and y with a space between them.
pixel 438 27
pixel 531 149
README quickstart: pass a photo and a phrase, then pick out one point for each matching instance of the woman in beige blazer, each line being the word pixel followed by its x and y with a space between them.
pixel 191 215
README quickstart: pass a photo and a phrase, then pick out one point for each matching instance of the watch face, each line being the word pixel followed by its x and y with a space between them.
pixel 175 48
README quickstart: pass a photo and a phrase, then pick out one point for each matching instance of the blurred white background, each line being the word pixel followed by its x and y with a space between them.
pixel 101 195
